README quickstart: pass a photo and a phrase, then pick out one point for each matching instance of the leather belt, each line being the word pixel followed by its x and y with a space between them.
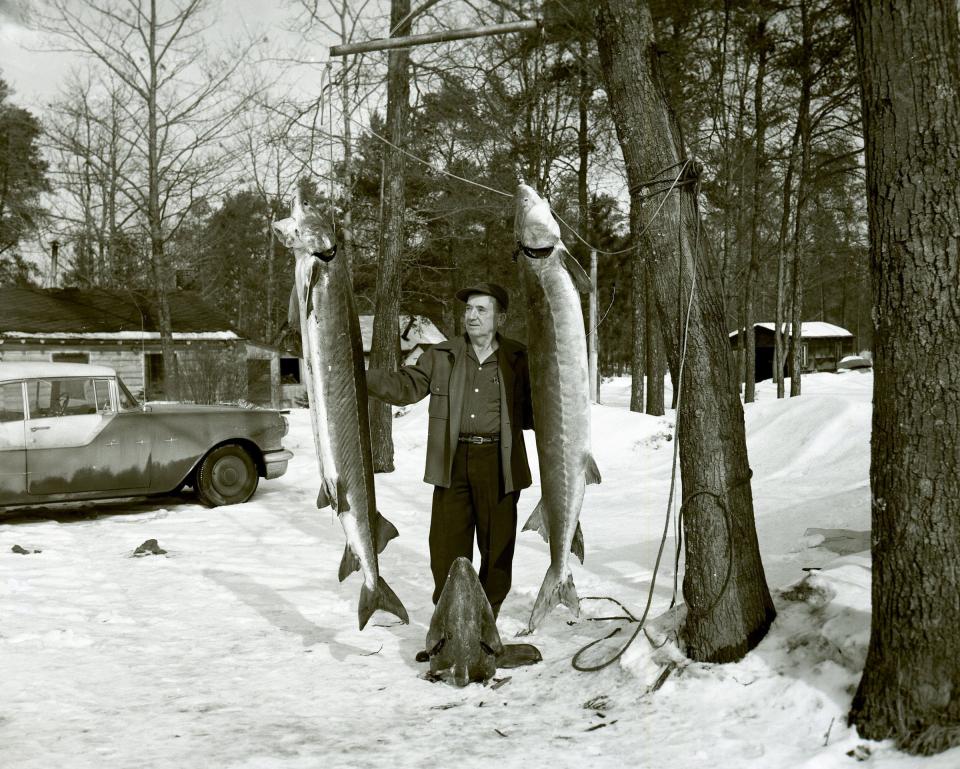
pixel 479 439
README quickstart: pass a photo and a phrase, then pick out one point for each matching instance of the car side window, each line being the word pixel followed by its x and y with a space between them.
pixel 62 397
pixel 11 402
pixel 38 398
pixel 102 395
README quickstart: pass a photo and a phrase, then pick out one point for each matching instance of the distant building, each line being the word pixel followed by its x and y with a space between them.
pixel 417 333
pixel 822 346
pixel 118 328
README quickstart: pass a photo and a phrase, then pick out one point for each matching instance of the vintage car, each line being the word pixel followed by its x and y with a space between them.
pixel 72 431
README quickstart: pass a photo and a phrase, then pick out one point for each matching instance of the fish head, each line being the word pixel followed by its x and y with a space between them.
pixel 534 227
pixel 306 232
pixel 463 632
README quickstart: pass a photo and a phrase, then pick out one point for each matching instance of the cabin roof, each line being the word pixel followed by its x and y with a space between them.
pixel 808 330
pixel 100 313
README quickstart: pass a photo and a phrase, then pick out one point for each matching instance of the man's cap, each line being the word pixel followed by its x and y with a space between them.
pixel 495 290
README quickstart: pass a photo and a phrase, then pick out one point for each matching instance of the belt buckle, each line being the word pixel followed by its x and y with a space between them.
pixel 477 439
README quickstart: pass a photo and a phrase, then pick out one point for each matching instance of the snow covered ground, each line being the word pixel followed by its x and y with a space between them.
pixel 239 647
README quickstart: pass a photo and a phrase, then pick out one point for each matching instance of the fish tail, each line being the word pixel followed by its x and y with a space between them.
pixel 383 598
pixel 554 590
pixel 383 532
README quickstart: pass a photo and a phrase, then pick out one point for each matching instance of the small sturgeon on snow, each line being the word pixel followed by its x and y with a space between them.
pixel 463 635
pixel 559 383
pixel 323 307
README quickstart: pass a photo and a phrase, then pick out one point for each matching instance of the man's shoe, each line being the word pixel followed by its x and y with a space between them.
pixel 423 656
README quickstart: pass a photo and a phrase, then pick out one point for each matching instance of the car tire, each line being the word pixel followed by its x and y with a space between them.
pixel 227 476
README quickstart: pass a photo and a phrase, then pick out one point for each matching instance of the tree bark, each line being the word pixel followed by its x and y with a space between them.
pixel 748 338
pixel 656 358
pixel 638 351
pixel 384 350
pixel 908 55
pixel 803 188
pixel 171 375
pixel 729 605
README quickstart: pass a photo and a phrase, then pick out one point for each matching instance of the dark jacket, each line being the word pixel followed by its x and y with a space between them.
pixel 441 372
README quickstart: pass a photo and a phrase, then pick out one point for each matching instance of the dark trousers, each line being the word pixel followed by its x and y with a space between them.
pixel 475 502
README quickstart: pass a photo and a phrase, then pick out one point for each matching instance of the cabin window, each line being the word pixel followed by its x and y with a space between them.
pixel 290 371
pixel 70 357
pixel 153 376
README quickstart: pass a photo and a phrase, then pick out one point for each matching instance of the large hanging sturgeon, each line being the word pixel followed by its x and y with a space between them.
pixel 557 352
pixel 323 306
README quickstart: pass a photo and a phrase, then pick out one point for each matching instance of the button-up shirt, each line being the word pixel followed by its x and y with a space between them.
pixel 481 396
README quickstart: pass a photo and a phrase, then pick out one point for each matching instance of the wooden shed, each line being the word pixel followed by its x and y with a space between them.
pixel 822 346
pixel 118 328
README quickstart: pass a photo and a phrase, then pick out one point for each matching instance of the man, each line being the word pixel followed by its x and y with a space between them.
pixel 479 389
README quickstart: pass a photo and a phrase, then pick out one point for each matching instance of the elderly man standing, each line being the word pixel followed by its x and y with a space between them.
pixel 479 390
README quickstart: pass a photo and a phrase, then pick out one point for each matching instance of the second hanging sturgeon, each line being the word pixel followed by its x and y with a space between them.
pixel 556 348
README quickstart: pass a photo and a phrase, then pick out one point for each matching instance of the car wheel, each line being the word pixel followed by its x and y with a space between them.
pixel 227 476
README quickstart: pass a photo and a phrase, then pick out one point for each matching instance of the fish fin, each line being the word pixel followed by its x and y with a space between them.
pixel 518 655
pixel 348 564
pixel 537 522
pixel 311 281
pixel 553 591
pixel 384 531
pixel 576 547
pixel 322 499
pixel 490 638
pixel 580 278
pixel 593 474
pixel 383 598
pixel 293 310
pixel 327 496
pixel 343 504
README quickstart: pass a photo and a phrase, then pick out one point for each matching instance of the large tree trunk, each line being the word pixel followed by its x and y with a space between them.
pixel 729 605
pixel 384 351
pixel 910 81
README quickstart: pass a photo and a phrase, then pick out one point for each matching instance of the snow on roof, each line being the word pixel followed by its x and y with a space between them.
pixel 41 369
pixel 808 329
pixel 413 332
pixel 121 335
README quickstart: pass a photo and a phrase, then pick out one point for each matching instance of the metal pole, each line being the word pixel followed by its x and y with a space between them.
pixel 408 41
pixel 592 337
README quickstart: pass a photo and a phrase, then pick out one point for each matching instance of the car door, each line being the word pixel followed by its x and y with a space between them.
pixel 13 455
pixel 75 442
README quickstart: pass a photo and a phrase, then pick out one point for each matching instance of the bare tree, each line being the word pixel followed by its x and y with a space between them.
pixel 91 164
pixel 179 105
pixel 911 114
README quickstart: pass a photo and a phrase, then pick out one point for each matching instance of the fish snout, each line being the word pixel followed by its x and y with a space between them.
pixel 288 231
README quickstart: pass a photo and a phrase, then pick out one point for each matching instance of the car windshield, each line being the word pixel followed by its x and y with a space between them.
pixel 127 401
